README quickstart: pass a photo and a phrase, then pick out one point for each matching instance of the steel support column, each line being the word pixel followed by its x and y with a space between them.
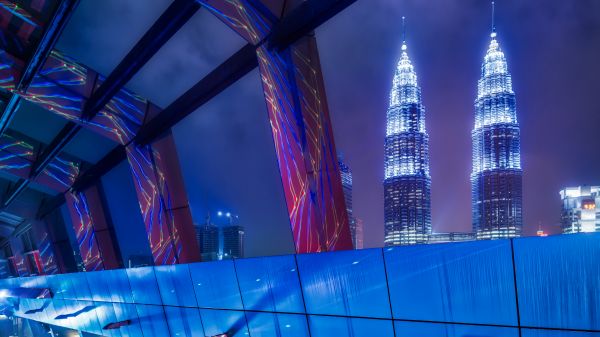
pixel 304 145
pixel 299 116
pixel 163 201
pixel 93 229
pixel 59 243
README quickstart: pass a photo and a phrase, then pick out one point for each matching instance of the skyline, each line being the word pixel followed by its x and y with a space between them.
pixel 187 168
pixel 446 51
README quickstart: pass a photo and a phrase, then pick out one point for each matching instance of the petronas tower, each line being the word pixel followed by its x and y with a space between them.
pixel 407 184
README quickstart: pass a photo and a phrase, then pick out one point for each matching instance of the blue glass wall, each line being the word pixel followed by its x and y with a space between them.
pixel 444 290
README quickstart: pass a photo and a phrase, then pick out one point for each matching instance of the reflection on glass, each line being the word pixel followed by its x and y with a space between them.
pixel 277 325
pixel 184 322
pixel 152 320
pixel 143 285
pixel 270 284
pixel 345 283
pixel 327 326
pixel 217 322
pixel 175 285
pixel 421 329
pixel 558 280
pixel 469 282
pixel 216 285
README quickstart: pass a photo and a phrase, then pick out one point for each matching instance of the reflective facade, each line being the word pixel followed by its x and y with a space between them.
pixel 520 287
pixel 580 209
pixel 496 179
pixel 407 184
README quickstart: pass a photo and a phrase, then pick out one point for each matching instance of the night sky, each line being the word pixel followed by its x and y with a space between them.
pixel 226 150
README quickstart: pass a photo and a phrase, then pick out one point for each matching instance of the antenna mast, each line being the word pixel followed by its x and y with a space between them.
pixel 493 19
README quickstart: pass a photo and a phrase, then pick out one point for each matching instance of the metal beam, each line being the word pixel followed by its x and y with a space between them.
pixel 86 179
pixel 48 205
pixel 298 23
pixel 234 68
pixel 52 150
pixel 38 58
pixel 178 13
pixel 303 20
pixel 91 175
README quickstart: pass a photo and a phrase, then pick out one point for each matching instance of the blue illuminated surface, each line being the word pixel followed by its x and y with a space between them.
pixel 442 283
pixel 558 280
pixel 442 290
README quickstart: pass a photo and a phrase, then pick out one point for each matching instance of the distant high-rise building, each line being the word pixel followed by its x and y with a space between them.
pixel 451 237
pixel 208 240
pixel 580 209
pixel 233 241
pixel 496 179
pixel 407 184
pixel 346 175
pixel 359 234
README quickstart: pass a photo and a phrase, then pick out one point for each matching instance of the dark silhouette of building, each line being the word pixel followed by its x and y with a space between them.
pixel 208 240
pixel 233 241
pixel 346 175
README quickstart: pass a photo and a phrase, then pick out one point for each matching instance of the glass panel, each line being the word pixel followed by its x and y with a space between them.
pixel 327 326
pixel 80 315
pixel 106 315
pixel 557 280
pixel 557 333
pixel 110 286
pixel 175 285
pixel 469 282
pixel 423 329
pixel 270 284
pixel 77 287
pixel 345 283
pixel 184 322
pixel 152 320
pixel 57 284
pixel 216 285
pixel 127 312
pixel 143 285
pixel 276 325
pixel 216 322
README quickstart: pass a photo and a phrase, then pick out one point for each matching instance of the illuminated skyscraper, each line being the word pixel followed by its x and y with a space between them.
pixel 496 178
pixel 407 184
pixel 346 175
pixel 580 211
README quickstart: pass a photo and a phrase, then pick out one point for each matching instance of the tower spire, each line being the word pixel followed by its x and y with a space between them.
pixel 403 33
pixel 493 34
